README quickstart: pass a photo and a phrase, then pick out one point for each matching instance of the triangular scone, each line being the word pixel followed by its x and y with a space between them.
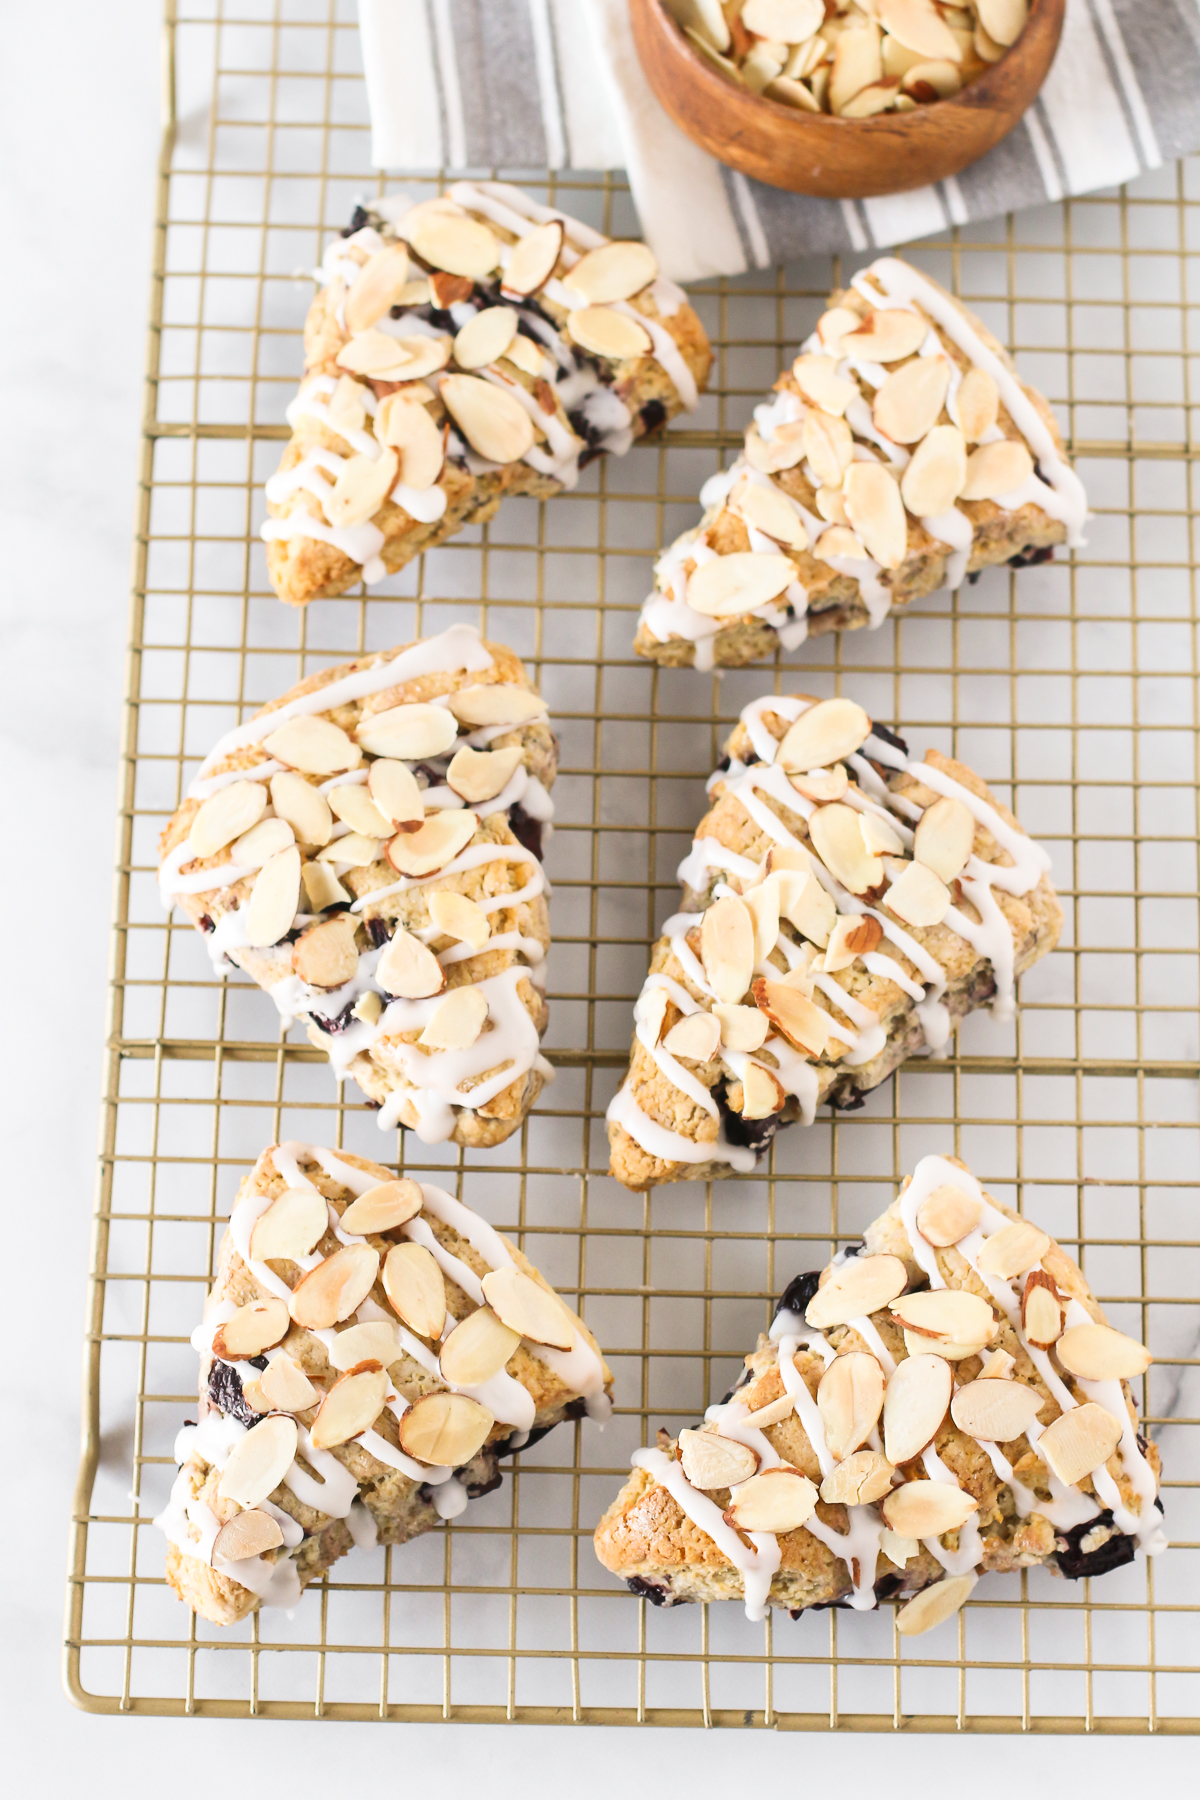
pixel 369 1349
pixel 459 350
pixel 946 1400
pixel 842 905
pixel 368 848
pixel 897 454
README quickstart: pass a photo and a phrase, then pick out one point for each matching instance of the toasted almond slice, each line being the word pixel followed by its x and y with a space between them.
pixel 444 1430
pixel 886 336
pixel 335 1288
pixel 763 904
pixel 778 1500
pixel 273 899
pixel 353 850
pixel 528 1308
pixel 459 918
pixel 285 1387
pixel 303 806
pixel 1098 1353
pixel 838 841
pixel 727 948
pixel 833 326
pixel 739 582
pixel 876 511
pixel 801 1022
pixel 355 807
pixel 1012 1250
pixel 1042 1315
pixel 376 288
pixel 998 1367
pixel 860 1480
pixel 485 337
pixel 949 1314
pixel 314 745
pixel 977 403
pixel 480 775
pixel 374 354
pixel 615 271
pixel 995 1411
pixel 742 1027
pixel 879 835
pixel 457 1020
pixel 770 511
pixel 828 445
pixel 259 1461
pixel 608 333
pixel 393 788
pixel 409 733
pixel 261 843
pixel 906 407
pixel 409 969
pixel 253 1328
pixel 1079 1441
pixel 325 956
pixel 378 1342
pixel 821 785
pixel 291 1227
pixel 856 65
pixel 934 1605
pixel 383 1208
pixel 914 1407
pixel 453 241
pixel 494 423
pixel 1003 20
pixel 415 1288
pixel 711 1461
pixel 936 474
pixel 322 887
pixel 247 1534
pixel 850 1399
pixel 806 905
pixel 946 1215
pixel 918 896
pixel 762 1094
pixel 945 837
pixel 225 815
pixel 917 24
pixel 351 1406
pixel 824 734
pixel 696 1037
pixel 477 1348
pixel 852 936
pixel 925 1509
pixel 532 259
pixel 996 470
pixel 496 703
pixel 860 1286
pixel 441 838
pixel 410 430
pixel 819 382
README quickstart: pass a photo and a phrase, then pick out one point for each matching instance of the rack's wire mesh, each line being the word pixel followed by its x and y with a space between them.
pixel 1071 687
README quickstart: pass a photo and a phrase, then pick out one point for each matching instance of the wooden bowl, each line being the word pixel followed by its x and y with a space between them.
pixel 813 153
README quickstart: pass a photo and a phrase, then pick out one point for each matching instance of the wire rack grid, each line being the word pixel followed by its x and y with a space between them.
pixel 1072 688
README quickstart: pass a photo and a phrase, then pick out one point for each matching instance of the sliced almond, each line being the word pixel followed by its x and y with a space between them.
pixel 225 815
pixel 325 955
pixel 739 582
pixel 322 887
pixel 951 1314
pixel 374 354
pixel 914 1407
pixel 977 403
pixel 353 851
pixel 824 734
pixel 801 1022
pixel 918 896
pixel 945 837
pixel 828 445
pixel 850 1399
pixel 697 1037
pixel 615 271
pixel 763 903
pixel 821 787
pixel 762 1094
pixel 253 1328
pixel 274 899
pixel 376 288
pixel 408 733
pixel 409 429
pixel 486 337
pixel 480 775
pixel 303 806
pixel 457 1020
pixel 711 1461
pixel 996 470
pixel 934 1605
pixel 806 905
pixel 778 1500
pixel 605 332
pixel 1098 1353
pixel 335 1288
pixel 936 473
pixel 858 1288
pixel 441 838
pixel 947 1215
pixel 494 423
pixel 906 407
pixel 876 511
pixel 383 1208
pixel 246 1534
pixel 1079 1441
pixel 378 1341
pixel 259 1461
pixel 1042 1316
pixel 926 1509
pixel 886 336
pixel 833 327
pixel 351 1406
pixel 314 745
pixel 285 1387
pixel 290 1228
pixel 394 791
pixel 838 841
pixel 532 259
pixel 742 1027
pixel 819 382
pixel 860 1480
pixel 770 511
pixel 409 969
pixel 477 1348
pixel 998 1367
pixel 879 835
pixel 1003 20
pixel 727 948
pixel 496 703
pixel 852 936
pixel 444 1430
pixel 459 918
pixel 918 25
pixel 454 242
pixel 415 1288
pixel 994 1411
pixel 1012 1250
pixel 528 1308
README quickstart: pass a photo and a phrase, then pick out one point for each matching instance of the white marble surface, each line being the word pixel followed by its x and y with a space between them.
pixel 79 124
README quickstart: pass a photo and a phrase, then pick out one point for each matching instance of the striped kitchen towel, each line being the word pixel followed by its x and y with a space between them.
pixel 528 84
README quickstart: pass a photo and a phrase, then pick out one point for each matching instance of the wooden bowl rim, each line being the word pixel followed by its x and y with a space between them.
pixel 888 122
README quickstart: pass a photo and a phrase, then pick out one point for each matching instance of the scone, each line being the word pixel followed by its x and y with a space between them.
pixel 898 454
pixel 842 905
pixel 369 1349
pixel 945 1399
pixel 459 350
pixel 368 849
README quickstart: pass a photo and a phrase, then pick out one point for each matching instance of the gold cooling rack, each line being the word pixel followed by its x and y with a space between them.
pixel 1071 687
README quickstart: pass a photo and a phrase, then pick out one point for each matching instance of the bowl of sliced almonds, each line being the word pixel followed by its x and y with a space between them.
pixel 846 98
